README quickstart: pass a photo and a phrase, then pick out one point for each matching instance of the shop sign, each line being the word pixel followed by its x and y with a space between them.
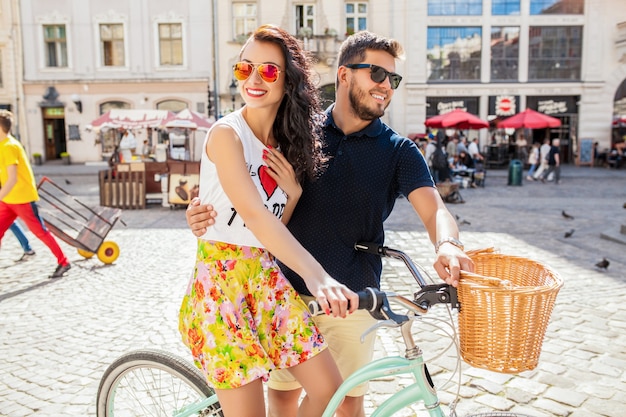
pixel 504 105
pixel 554 105
pixel 442 105
pixel 53 112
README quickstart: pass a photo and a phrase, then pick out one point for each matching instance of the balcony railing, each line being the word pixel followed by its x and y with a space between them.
pixel 323 47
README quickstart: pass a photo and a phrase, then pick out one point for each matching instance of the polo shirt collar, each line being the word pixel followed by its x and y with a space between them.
pixel 374 129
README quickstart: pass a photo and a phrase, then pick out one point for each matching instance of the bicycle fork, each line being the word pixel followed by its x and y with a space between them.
pixel 413 363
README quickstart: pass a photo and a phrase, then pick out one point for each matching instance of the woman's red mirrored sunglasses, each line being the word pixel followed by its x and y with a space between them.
pixel 268 72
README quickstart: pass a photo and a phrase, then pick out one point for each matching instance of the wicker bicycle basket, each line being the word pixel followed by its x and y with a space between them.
pixel 505 308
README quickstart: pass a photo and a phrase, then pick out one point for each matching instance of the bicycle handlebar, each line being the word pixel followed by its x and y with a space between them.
pixel 376 302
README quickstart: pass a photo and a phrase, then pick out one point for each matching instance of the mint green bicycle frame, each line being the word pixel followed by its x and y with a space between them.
pixel 421 390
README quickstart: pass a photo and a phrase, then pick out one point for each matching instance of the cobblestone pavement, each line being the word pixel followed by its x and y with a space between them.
pixel 58 336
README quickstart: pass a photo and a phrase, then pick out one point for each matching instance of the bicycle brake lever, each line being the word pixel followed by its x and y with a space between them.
pixel 385 323
pixel 430 295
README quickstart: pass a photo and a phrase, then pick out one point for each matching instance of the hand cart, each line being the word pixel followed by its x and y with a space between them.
pixel 77 224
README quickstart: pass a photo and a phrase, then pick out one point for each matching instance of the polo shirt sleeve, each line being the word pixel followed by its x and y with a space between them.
pixel 411 170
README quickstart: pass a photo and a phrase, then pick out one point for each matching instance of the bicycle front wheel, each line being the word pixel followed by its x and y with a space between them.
pixel 152 383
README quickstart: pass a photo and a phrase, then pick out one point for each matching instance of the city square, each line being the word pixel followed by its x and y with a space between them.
pixel 58 336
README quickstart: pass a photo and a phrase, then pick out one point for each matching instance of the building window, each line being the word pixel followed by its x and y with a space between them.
pixel 504 53
pixel 356 17
pixel 454 53
pixel 110 105
pixel 244 20
pixel 109 138
pixel 455 7
pixel 557 6
pixel 555 53
pixel 505 7
pixel 171 43
pixel 112 44
pixel 172 105
pixel 56 45
pixel 305 18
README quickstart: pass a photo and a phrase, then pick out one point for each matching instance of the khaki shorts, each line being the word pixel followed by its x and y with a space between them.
pixel 343 337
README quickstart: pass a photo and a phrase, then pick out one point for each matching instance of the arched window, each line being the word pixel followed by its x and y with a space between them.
pixel 110 105
pixel 172 105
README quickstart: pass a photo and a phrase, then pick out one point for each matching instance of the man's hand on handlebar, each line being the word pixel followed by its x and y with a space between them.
pixel 450 261
pixel 199 216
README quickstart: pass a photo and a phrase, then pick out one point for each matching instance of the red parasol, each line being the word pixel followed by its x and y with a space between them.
pixel 529 119
pixel 457 119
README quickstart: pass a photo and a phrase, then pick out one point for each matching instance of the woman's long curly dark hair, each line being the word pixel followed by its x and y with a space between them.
pixel 297 127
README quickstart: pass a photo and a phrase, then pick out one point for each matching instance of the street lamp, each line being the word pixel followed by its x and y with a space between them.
pixel 233 90
pixel 77 101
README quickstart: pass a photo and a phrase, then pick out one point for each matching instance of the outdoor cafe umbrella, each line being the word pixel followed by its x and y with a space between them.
pixel 456 119
pixel 529 119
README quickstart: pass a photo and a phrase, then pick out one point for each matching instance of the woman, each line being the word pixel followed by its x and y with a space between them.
pixel 240 317
pixel 533 161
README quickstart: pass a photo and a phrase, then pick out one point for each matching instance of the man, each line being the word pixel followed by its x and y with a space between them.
pixel 370 166
pixel 18 194
pixel 452 147
pixel 554 162
pixel 474 151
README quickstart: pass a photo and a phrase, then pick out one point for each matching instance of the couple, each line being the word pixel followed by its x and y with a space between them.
pixel 333 181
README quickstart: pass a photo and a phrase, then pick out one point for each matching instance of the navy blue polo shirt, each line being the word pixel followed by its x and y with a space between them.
pixel 349 202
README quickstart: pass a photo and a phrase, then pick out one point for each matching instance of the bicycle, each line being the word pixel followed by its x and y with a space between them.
pixel 161 384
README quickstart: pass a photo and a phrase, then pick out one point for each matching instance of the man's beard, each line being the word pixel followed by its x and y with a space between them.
pixel 357 98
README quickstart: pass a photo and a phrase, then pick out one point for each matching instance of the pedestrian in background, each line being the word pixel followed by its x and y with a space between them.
pixel 474 151
pixel 370 166
pixel 554 162
pixel 533 161
pixel 452 147
pixel 544 150
pixel 24 243
pixel 240 317
pixel 18 195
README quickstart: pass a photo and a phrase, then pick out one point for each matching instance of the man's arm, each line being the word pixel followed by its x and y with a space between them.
pixel 10 183
pixel 440 225
pixel 199 216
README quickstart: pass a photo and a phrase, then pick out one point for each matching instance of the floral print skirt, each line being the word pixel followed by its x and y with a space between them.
pixel 241 318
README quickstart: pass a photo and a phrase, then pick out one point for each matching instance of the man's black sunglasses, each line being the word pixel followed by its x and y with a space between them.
pixel 378 74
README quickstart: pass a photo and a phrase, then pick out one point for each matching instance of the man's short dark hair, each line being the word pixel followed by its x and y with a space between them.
pixel 6 120
pixel 353 49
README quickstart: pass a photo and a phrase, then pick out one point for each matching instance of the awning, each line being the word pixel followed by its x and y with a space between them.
pixel 189 119
pixel 131 119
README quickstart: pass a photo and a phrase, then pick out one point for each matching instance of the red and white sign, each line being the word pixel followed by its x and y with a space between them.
pixel 505 105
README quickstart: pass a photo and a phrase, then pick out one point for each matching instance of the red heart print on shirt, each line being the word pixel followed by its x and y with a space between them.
pixel 268 183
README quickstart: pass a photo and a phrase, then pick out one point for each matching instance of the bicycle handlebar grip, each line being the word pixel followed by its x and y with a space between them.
pixel 369 247
pixel 367 301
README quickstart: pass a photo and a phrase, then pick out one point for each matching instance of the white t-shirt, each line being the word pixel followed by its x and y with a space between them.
pixel 128 141
pixel 473 149
pixel 229 226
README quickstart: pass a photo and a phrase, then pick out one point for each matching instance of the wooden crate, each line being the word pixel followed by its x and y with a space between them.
pixel 123 187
